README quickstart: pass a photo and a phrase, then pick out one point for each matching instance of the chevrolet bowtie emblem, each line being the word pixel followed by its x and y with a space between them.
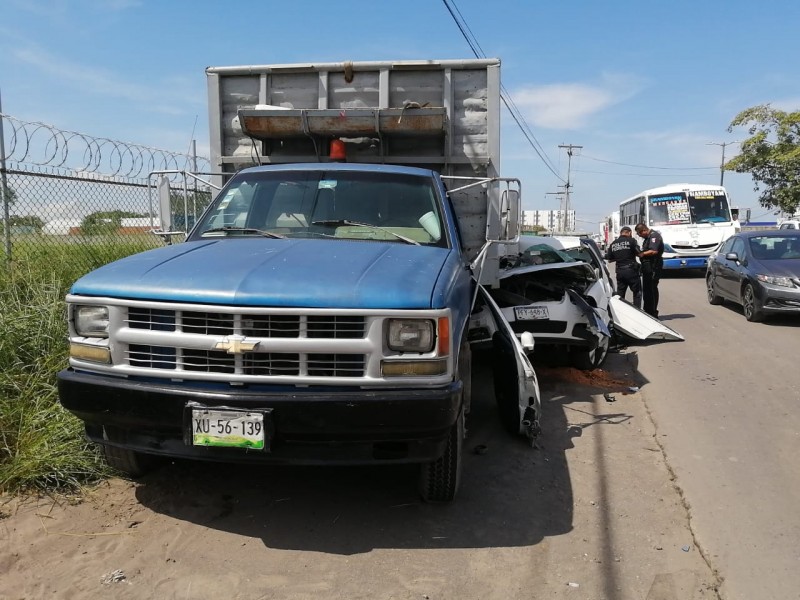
pixel 236 345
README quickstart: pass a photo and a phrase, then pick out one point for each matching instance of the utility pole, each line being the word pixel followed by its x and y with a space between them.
pixel 567 186
pixel 722 164
pixel 560 207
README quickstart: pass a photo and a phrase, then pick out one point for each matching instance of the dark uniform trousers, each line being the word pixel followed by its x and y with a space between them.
pixel 651 275
pixel 628 277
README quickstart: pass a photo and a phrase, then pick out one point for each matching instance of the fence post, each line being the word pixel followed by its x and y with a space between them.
pixel 4 193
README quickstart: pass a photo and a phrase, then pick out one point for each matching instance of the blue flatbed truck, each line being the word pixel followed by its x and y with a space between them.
pixel 318 312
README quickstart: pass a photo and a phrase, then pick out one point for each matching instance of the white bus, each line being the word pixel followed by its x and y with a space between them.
pixel 694 220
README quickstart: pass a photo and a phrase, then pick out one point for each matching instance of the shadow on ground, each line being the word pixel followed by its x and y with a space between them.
pixel 511 494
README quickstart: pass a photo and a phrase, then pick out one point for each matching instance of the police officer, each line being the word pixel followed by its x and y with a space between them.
pixel 652 263
pixel 624 250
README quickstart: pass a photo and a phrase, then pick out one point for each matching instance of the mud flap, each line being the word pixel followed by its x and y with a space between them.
pixel 516 386
pixel 637 324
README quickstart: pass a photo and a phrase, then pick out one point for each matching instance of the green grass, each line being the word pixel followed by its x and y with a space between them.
pixel 42 447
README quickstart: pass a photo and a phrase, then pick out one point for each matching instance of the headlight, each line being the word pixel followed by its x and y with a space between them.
pixel 411 335
pixel 783 281
pixel 91 321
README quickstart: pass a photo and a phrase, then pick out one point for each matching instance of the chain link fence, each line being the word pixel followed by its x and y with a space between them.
pixel 89 200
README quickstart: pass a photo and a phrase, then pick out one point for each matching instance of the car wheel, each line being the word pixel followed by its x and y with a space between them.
pixel 713 297
pixel 131 463
pixel 438 480
pixel 752 312
pixel 586 359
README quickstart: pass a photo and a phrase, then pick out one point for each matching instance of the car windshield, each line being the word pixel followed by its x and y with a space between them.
pixel 543 254
pixel 683 208
pixel 775 247
pixel 355 205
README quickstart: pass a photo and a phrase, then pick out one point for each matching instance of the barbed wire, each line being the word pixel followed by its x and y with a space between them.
pixel 40 144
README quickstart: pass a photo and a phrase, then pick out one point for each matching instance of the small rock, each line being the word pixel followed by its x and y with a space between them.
pixel 685 548
pixel 113 577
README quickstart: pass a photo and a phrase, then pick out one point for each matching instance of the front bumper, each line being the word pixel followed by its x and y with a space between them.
pixel 686 262
pixel 777 299
pixel 310 425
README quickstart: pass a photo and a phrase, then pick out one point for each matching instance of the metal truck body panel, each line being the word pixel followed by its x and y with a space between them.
pixel 466 144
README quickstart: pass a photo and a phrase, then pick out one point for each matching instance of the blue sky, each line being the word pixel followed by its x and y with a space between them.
pixel 644 87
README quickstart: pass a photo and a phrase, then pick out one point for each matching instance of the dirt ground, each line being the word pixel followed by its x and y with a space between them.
pixel 592 513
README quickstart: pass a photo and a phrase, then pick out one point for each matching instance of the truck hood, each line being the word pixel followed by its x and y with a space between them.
pixel 272 272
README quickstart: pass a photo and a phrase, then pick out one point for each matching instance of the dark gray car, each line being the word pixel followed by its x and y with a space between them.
pixel 760 270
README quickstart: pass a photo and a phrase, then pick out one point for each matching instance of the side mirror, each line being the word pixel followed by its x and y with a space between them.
pixel 732 256
pixel 510 214
pixel 164 203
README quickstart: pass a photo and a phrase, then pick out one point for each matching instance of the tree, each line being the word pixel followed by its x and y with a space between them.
pixel 771 155
pixel 31 221
pixel 10 195
pixel 105 222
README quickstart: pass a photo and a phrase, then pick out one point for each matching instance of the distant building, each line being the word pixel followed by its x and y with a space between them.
pixel 551 220
pixel 139 225
pixel 61 226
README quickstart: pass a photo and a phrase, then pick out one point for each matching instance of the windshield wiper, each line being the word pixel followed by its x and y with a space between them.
pixel 339 222
pixel 228 229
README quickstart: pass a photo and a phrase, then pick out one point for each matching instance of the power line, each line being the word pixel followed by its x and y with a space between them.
pixel 504 95
pixel 639 174
pixel 611 162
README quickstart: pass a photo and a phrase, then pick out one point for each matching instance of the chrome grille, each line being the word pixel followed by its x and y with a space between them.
pixel 181 346
pixel 699 249
pixel 153 319
pixel 207 323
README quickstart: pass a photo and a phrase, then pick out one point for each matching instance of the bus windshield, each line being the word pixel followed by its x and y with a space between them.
pixel 683 208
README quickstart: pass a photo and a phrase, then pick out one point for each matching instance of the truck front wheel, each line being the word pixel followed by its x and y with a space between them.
pixel 131 463
pixel 438 480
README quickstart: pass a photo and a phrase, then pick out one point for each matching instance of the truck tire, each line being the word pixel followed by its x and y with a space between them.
pixel 131 463
pixel 465 374
pixel 438 480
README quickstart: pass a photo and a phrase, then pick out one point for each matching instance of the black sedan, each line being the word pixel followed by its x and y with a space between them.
pixel 759 270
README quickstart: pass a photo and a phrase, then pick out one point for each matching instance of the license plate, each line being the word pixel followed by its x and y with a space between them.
pixel 228 428
pixel 530 313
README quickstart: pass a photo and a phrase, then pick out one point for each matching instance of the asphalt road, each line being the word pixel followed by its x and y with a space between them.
pixel 726 407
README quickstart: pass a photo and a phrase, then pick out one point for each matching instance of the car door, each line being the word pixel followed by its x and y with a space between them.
pixel 729 274
pixel 515 381
pixel 716 264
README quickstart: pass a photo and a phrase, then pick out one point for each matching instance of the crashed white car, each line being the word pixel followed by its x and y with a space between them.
pixel 558 290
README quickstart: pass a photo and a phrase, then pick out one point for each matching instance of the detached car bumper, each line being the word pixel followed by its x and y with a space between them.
pixel 331 426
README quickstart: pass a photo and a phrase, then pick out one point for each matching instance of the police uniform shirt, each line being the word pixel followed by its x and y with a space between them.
pixel 624 251
pixel 653 241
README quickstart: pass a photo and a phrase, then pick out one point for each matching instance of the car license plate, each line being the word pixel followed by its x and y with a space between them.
pixel 530 313
pixel 228 428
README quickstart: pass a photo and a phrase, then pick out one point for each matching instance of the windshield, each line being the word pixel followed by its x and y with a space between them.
pixel 775 247
pixel 353 205
pixel 542 254
pixel 683 208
